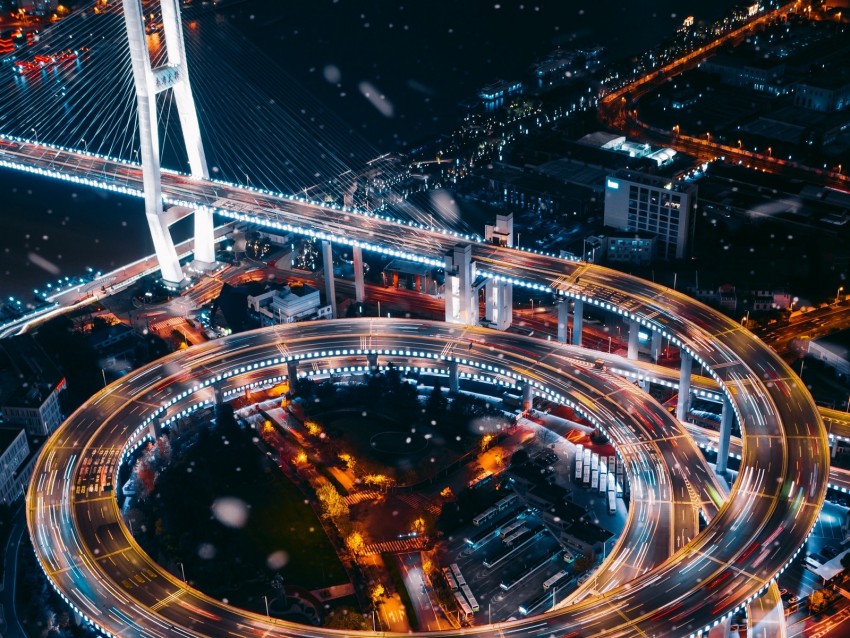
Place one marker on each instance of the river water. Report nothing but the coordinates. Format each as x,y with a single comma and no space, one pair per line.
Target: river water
422,58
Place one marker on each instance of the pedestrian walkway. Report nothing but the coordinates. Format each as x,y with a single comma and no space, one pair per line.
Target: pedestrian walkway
419,502
397,546
359,497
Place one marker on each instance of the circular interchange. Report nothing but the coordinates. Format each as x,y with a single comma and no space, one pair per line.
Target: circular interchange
707,579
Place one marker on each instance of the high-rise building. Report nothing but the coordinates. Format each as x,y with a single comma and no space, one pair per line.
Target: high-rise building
638,202
29,386
38,7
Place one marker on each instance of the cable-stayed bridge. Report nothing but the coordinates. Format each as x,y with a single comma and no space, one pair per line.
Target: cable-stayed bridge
786,455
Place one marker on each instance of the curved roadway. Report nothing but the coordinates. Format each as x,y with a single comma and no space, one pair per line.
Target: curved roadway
775,501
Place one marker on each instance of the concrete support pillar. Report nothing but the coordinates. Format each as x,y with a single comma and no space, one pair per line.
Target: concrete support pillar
152,429
833,447
655,346
684,400
643,384
454,381
359,286
563,318
149,81
578,320
291,372
498,304
634,330
527,397
461,297
725,434
218,393
328,267
372,361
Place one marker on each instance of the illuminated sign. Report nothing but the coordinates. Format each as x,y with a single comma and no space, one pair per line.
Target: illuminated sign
613,185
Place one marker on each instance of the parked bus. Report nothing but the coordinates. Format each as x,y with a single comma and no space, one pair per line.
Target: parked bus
612,502
465,610
579,462
481,480
461,581
467,593
555,579
506,502
450,579
485,516
510,528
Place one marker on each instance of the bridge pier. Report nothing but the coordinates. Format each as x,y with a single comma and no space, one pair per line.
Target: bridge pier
372,362
578,321
563,319
527,397
328,268
684,399
218,393
291,373
498,304
359,285
655,346
148,81
454,381
498,295
634,331
725,434
461,300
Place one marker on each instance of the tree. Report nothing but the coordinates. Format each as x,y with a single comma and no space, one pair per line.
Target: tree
437,402
346,618
333,505
355,543
518,458
817,602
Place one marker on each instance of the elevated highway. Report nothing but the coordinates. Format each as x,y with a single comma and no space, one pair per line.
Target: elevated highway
774,503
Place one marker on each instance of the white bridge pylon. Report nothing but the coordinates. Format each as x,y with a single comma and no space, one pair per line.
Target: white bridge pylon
150,81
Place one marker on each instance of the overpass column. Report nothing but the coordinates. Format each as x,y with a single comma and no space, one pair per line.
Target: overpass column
152,428
328,266
684,398
498,304
655,346
372,362
578,320
461,298
527,397
634,330
359,286
291,373
563,318
454,382
725,434
218,393
498,295
833,447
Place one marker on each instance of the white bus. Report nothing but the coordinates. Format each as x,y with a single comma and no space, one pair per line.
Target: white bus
484,516
555,579
461,581
465,609
467,593
505,502
510,527
450,579
612,502
579,461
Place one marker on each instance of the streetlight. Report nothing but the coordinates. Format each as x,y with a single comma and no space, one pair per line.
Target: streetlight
182,571
266,598
838,293
35,135
85,144
847,409
532,305
740,144
770,151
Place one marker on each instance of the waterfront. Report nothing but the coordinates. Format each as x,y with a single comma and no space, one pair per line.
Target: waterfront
424,57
